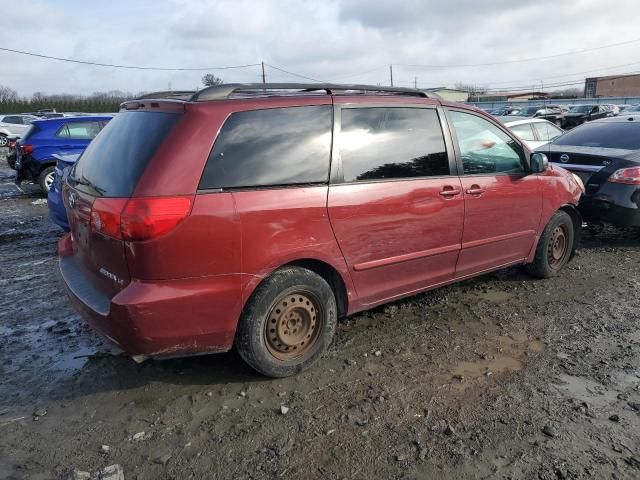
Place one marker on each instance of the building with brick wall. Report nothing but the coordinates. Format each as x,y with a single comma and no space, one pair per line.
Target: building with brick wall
612,86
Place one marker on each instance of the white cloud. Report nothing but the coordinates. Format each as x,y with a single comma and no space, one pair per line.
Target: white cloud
334,40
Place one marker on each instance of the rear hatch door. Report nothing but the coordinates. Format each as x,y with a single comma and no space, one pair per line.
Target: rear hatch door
99,186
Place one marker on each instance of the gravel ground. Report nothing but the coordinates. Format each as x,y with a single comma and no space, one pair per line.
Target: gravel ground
500,377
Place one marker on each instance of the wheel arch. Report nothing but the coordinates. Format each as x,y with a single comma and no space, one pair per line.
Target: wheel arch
576,218
322,268
331,276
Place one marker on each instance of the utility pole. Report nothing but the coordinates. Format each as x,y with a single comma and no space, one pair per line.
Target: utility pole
391,74
415,82
263,77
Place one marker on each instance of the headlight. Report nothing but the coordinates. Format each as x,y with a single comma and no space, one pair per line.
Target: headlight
579,182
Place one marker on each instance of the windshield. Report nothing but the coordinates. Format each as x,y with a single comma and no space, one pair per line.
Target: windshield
581,108
604,135
633,108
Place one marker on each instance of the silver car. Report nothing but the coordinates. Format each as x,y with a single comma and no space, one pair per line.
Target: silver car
535,132
14,125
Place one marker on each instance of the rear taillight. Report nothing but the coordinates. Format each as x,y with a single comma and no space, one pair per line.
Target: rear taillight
629,176
138,219
148,218
105,216
27,149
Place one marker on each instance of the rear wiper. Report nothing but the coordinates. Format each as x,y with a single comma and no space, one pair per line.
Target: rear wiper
86,182
80,181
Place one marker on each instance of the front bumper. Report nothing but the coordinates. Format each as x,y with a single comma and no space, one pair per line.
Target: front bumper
158,319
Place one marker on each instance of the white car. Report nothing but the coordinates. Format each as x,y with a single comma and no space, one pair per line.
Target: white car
14,125
533,131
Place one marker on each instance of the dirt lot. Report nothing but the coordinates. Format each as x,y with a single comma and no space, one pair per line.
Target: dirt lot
500,377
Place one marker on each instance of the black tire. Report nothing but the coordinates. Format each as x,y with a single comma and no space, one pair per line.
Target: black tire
43,179
550,258
260,328
3,140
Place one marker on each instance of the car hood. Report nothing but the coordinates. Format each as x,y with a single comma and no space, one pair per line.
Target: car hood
575,115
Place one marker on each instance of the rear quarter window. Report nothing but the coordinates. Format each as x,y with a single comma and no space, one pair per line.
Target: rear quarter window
80,130
114,161
273,147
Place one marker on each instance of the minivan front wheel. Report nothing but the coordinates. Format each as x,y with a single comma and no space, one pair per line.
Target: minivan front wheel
554,247
288,323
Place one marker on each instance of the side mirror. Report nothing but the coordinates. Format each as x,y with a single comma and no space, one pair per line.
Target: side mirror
538,162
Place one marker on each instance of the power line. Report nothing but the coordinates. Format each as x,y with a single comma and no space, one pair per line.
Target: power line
130,67
294,74
522,60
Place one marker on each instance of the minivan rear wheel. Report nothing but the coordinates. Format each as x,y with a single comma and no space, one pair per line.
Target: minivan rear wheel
288,322
554,247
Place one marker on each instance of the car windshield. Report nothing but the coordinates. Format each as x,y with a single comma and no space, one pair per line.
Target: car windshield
581,108
632,108
604,135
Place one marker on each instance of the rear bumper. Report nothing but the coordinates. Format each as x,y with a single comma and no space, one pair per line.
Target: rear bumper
617,204
163,318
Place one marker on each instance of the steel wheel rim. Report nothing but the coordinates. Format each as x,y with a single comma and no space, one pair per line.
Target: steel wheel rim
3,141
293,325
558,246
48,180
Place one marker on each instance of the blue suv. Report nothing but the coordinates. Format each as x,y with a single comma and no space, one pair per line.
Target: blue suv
45,138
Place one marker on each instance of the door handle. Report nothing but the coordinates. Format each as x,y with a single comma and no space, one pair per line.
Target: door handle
449,191
474,190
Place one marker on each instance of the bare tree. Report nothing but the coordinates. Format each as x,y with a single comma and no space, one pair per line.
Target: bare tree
8,94
210,80
567,93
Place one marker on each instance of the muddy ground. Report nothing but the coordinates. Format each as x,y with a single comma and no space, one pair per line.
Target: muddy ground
501,377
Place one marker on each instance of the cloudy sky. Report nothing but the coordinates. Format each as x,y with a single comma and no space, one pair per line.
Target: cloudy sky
349,41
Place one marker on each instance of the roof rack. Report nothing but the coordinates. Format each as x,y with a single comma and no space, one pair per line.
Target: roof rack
225,91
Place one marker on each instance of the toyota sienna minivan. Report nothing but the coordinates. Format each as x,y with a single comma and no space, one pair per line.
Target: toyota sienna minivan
258,215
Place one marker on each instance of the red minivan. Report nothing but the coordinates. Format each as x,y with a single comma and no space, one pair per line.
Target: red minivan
257,215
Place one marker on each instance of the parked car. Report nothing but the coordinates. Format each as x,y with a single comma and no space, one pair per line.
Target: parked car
552,114
579,114
614,109
13,125
502,111
632,109
535,132
34,156
266,238
11,145
57,212
606,155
